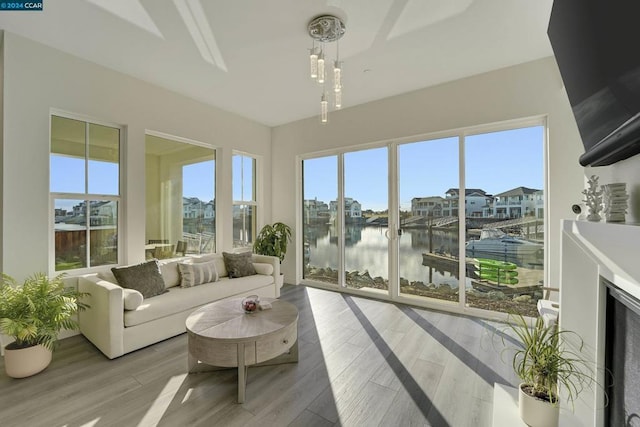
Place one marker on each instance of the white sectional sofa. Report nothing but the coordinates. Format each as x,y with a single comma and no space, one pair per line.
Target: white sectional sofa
115,330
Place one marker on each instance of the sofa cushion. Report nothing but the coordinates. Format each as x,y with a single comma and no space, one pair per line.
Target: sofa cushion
179,299
131,299
170,272
144,277
263,268
238,265
197,273
222,270
108,276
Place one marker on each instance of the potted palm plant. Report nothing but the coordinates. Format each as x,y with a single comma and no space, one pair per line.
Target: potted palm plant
544,362
273,240
33,313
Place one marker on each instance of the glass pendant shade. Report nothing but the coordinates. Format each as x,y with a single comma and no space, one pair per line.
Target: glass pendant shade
337,77
338,100
313,63
321,68
324,109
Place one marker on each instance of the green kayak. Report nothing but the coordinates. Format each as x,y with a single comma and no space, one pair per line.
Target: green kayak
492,264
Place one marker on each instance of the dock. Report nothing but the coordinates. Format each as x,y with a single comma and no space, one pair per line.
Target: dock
487,286
447,263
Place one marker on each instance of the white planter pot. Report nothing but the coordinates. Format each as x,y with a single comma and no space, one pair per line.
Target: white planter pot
537,412
24,362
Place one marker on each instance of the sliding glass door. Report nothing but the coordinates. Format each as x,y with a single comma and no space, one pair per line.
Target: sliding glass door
320,225
428,247
455,221
505,248
365,213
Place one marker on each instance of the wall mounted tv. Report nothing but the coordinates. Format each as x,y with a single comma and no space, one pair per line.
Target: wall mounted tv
597,47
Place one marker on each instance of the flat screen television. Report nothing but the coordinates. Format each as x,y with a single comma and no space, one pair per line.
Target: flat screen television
597,47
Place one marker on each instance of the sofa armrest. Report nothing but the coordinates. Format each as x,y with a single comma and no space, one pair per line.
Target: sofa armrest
275,263
103,322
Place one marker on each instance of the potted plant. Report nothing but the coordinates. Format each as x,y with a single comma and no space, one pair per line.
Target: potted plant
544,362
33,314
273,240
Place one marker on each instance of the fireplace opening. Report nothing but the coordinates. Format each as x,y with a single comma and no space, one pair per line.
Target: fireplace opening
622,358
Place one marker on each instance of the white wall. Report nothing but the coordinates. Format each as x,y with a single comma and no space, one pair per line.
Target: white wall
38,78
521,91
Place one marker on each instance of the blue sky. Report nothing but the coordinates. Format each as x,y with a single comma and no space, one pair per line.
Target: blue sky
199,180
67,176
495,162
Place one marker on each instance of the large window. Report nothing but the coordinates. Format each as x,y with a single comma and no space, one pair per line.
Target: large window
245,203
456,221
180,197
85,192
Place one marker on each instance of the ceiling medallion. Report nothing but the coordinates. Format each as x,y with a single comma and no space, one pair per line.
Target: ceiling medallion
326,28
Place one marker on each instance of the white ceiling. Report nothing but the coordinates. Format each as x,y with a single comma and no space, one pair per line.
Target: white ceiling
255,60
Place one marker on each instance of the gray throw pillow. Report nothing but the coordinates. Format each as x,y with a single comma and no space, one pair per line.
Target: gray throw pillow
238,265
144,278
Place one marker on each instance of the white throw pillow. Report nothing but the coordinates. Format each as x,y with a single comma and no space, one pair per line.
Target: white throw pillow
263,268
131,298
170,273
194,274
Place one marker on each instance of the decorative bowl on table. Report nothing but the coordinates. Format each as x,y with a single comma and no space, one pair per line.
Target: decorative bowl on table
250,304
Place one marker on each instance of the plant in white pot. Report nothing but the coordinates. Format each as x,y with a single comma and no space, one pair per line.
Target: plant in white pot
273,240
544,361
33,313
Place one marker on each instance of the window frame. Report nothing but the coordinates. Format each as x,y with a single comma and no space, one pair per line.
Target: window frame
86,196
256,202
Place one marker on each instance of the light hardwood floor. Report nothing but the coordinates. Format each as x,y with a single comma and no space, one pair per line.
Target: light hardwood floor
362,362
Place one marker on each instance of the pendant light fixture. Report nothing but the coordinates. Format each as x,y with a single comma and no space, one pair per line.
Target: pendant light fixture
326,29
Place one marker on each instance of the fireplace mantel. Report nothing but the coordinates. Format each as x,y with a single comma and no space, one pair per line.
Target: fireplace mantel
590,252
615,246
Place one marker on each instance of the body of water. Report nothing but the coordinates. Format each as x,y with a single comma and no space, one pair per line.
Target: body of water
367,248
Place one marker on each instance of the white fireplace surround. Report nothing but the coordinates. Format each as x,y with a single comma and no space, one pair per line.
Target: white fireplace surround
592,251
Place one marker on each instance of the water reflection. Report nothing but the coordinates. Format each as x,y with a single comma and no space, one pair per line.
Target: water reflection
366,248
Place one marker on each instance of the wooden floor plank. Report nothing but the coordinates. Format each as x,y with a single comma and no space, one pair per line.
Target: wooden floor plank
309,419
412,404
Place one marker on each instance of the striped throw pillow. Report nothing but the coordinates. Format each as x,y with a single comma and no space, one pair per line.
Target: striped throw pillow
197,273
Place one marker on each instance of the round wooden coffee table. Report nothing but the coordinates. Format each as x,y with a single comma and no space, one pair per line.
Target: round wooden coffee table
222,335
